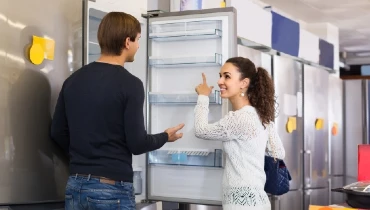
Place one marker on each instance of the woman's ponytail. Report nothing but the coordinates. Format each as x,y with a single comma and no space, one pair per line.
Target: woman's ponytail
261,95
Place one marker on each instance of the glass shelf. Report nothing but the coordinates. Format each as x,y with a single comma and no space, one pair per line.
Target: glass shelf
182,98
209,29
204,158
187,35
213,60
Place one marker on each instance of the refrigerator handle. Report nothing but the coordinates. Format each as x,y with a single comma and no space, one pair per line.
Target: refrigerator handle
329,190
308,152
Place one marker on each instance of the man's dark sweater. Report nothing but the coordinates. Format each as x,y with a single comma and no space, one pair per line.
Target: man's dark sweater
99,121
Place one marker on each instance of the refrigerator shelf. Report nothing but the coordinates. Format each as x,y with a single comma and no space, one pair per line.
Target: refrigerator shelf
186,35
182,98
206,29
212,60
202,158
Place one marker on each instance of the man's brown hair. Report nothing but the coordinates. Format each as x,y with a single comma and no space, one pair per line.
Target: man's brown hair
113,31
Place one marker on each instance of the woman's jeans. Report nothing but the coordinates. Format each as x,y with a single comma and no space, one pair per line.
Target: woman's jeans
88,193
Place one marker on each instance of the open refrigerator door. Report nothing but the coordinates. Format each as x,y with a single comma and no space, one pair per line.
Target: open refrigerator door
182,46
94,11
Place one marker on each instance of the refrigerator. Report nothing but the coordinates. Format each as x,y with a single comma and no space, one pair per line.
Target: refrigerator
315,147
288,79
356,123
181,46
33,169
336,138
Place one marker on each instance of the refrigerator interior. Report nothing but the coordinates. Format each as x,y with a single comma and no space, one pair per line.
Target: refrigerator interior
33,169
336,140
182,46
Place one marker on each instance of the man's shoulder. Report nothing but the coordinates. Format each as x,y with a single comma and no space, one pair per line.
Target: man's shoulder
132,78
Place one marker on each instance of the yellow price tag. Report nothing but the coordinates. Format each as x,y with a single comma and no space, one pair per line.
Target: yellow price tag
41,49
319,124
291,124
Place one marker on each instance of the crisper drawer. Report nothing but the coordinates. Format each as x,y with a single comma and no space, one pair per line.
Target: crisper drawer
188,183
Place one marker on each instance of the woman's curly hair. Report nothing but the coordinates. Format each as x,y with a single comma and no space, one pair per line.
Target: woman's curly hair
261,90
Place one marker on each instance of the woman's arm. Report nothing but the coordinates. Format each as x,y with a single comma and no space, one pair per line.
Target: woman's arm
275,147
230,127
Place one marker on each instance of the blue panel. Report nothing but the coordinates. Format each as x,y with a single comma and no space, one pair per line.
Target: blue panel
326,54
365,70
285,34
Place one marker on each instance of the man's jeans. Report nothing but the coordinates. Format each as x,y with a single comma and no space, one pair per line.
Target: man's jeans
87,193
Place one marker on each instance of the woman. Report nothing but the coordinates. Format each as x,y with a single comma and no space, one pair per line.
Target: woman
247,132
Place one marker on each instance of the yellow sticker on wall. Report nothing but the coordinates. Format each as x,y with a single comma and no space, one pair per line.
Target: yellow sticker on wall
41,49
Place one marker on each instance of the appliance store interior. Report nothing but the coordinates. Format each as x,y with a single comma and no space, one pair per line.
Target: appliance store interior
317,54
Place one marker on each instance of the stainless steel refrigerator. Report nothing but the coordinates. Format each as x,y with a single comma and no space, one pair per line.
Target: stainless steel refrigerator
356,122
336,138
288,78
316,158
32,168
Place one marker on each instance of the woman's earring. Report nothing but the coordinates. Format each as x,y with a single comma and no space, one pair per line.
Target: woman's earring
242,94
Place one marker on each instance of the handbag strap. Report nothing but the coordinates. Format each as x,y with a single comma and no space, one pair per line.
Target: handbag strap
269,142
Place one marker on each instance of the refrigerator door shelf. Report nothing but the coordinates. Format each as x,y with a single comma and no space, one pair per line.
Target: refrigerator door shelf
186,29
187,35
182,98
211,60
203,158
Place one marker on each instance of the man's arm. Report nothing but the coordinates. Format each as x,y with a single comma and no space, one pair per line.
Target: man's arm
138,140
59,126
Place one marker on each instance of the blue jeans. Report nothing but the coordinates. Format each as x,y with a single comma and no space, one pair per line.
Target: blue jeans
87,193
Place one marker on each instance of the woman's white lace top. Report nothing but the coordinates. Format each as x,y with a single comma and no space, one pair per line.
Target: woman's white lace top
245,145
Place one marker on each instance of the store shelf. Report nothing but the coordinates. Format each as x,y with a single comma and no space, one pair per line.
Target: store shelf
209,29
182,98
212,60
203,158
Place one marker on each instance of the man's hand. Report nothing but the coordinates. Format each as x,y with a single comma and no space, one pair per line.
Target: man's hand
172,132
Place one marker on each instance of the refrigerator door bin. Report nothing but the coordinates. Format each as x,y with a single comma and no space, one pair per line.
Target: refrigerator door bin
205,29
203,158
211,60
182,98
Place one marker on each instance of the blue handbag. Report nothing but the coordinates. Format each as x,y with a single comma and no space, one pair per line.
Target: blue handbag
277,176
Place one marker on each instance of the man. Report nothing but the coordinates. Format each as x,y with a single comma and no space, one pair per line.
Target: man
99,121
